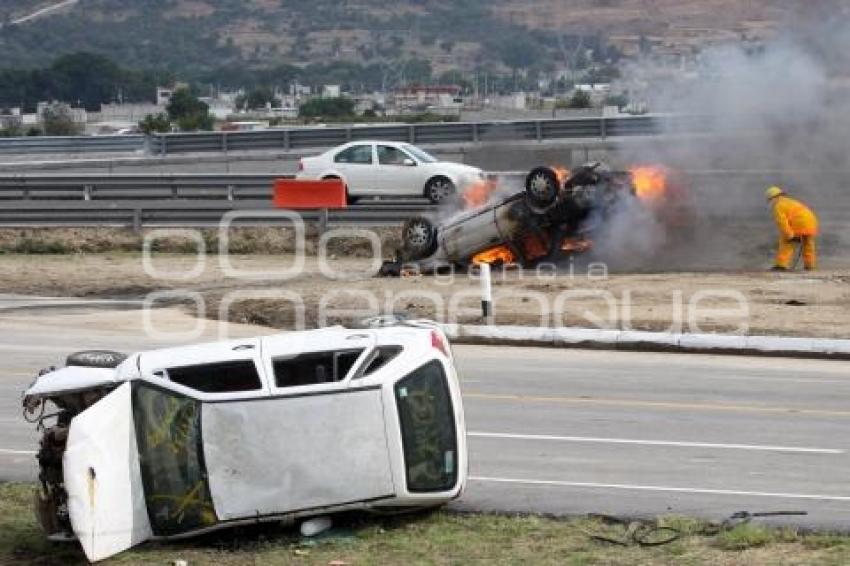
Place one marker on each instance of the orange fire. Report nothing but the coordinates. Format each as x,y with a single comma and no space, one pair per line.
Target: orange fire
576,245
498,255
650,182
561,172
478,193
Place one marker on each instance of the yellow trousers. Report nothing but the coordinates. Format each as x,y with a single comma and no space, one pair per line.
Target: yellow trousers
785,253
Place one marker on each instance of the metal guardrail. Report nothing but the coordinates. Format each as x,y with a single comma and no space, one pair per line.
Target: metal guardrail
427,133
204,213
317,137
137,187
71,144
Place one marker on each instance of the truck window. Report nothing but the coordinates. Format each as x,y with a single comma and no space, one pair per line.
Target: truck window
221,377
381,357
314,368
427,429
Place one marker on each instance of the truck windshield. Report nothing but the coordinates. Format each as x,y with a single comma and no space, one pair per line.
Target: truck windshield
427,429
421,155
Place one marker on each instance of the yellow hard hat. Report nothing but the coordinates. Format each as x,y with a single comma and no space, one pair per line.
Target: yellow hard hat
773,192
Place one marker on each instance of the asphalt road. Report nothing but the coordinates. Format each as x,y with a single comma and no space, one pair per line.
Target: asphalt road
569,431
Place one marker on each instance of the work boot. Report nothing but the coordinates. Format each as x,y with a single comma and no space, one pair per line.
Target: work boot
778,268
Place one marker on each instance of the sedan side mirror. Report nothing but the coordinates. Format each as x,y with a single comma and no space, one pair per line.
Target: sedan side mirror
409,162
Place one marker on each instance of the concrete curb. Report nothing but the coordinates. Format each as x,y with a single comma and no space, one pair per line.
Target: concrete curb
630,340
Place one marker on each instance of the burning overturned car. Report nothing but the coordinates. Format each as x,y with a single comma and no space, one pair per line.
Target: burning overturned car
181,441
556,215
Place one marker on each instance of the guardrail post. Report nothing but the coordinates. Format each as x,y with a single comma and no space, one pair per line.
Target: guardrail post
287,142
323,221
603,128
348,134
231,192
87,192
224,142
538,130
411,134
163,142
475,132
137,221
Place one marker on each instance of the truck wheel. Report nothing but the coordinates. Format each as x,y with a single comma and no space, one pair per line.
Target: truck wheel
541,188
419,238
439,190
95,359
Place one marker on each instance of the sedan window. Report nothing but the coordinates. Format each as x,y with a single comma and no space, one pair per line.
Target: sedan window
358,155
388,155
422,156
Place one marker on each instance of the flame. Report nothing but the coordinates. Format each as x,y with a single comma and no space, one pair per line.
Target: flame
478,193
499,254
650,182
576,245
561,172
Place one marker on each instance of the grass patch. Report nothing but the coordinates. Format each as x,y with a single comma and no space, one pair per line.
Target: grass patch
431,538
241,240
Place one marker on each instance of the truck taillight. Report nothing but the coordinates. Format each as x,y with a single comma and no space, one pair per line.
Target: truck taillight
300,165
438,342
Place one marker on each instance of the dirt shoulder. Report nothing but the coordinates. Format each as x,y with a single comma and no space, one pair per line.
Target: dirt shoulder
794,304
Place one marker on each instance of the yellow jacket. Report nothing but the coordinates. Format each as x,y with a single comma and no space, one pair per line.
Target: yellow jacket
793,218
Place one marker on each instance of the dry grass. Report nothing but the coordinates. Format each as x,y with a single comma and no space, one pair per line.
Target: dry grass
435,538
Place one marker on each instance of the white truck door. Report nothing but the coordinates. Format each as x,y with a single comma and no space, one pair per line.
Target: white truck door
318,441
106,499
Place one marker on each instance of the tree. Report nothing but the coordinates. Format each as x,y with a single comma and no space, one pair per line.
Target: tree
333,107
58,121
155,123
618,100
580,99
188,111
259,98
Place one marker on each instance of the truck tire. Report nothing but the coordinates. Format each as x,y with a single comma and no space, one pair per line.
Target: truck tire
95,359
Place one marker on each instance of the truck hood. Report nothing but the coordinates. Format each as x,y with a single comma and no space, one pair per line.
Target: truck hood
70,379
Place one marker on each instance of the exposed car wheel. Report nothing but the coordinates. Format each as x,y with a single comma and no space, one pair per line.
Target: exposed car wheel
419,238
439,189
541,188
95,359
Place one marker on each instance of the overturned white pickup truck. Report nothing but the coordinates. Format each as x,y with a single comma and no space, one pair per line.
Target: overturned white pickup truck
176,442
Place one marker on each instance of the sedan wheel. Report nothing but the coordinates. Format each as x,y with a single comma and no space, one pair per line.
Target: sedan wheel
419,237
439,189
541,188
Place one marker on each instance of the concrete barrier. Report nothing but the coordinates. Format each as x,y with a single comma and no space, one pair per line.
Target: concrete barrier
628,340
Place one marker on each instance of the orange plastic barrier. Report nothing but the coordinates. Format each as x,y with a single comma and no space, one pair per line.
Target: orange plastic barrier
298,194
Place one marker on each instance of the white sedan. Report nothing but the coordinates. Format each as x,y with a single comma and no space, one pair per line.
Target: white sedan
378,168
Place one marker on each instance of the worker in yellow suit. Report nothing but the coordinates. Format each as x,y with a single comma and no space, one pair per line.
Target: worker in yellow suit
797,224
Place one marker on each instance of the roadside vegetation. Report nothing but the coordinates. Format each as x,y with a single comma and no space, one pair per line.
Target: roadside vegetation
442,537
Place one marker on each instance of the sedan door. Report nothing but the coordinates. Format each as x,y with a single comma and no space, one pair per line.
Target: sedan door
356,164
398,173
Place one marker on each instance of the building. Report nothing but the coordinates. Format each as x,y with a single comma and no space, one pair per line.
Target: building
422,97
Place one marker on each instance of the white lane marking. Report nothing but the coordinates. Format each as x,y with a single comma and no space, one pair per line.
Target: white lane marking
655,443
17,452
694,490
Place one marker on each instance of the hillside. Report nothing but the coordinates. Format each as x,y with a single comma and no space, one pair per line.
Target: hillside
197,35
